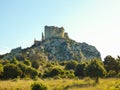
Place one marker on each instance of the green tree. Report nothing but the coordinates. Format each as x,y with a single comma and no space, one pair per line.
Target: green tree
1,69
71,65
111,64
11,71
95,69
56,71
118,61
31,72
80,70
28,71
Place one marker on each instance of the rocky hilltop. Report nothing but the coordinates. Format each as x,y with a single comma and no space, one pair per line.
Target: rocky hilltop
55,47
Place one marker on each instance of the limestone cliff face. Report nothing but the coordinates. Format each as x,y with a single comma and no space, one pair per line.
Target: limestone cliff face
57,49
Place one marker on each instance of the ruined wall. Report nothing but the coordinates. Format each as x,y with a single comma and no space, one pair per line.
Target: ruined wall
36,42
52,31
66,35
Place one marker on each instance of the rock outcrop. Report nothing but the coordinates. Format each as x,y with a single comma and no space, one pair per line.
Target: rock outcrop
55,45
57,49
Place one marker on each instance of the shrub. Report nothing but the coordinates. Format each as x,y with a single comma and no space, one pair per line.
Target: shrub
49,65
111,64
27,62
4,62
54,72
118,75
111,73
95,70
28,71
35,64
11,71
14,61
57,77
31,72
1,69
23,68
38,86
87,80
68,74
71,65
62,63
80,70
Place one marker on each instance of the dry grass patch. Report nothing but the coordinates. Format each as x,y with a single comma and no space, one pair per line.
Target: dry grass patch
60,84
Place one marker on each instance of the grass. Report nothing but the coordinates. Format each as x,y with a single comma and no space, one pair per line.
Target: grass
62,84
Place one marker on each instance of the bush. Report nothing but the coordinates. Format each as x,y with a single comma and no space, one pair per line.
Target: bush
28,71
4,62
118,75
1,69
80,70
95,70
54,72
35,64
62,63
11,71
68,74
48,65
14,61
31,72
111,73
71,65
112,64
38,86
27,62
23,68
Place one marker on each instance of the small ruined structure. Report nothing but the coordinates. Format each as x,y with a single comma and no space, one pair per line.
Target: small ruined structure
36,41
43,38
56,32
52,32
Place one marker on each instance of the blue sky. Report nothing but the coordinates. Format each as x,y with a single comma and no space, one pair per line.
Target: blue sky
96,22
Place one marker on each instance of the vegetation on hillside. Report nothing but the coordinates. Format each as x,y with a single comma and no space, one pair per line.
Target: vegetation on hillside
71,69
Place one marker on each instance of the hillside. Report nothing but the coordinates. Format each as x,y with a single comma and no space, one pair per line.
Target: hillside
55,49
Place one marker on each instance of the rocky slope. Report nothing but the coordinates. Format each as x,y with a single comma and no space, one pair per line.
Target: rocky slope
55,49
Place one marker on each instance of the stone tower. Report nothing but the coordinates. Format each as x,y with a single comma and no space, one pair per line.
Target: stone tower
52,31
43,38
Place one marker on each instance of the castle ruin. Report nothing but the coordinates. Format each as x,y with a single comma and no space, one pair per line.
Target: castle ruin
52,31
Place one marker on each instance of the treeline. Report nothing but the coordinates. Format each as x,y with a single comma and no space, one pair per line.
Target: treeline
95,68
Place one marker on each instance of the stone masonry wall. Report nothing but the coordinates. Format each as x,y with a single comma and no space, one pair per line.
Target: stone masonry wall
52,31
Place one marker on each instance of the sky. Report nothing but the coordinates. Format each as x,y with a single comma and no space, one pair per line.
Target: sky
96,22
